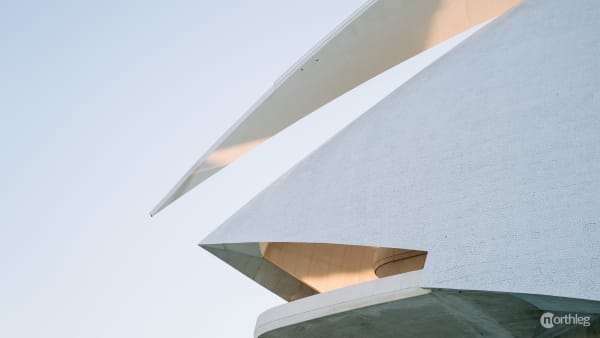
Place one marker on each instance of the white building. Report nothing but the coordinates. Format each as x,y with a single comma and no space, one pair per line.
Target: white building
466,203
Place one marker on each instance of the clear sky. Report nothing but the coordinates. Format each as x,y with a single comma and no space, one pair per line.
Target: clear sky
104,105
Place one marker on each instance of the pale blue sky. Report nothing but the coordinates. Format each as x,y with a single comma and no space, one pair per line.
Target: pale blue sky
104,106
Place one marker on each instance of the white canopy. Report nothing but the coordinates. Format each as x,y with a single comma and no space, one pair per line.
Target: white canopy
378,36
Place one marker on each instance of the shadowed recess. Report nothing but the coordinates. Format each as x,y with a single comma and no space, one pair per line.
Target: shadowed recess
297,270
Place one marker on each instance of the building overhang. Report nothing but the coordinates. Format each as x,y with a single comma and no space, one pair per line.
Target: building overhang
297,270
378,36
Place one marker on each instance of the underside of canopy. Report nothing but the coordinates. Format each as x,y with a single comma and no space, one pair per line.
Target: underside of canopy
378,36
298,270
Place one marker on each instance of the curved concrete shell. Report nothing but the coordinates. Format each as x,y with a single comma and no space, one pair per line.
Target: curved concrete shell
412,312
378,36
488,161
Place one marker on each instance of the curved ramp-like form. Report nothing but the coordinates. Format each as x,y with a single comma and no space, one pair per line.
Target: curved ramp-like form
395,308
378,36
488,160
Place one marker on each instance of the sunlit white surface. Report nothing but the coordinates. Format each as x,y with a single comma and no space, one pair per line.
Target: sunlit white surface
488,160
378,36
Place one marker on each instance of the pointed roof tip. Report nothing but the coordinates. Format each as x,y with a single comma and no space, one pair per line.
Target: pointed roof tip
155,211
344,59
158,207
164,202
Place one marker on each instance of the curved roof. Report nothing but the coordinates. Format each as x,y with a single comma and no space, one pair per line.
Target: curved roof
488,160
378,36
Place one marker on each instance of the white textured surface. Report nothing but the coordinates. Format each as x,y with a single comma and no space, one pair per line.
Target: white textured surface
489,160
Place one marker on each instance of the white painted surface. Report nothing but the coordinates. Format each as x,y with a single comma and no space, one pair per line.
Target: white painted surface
378,36
489,160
